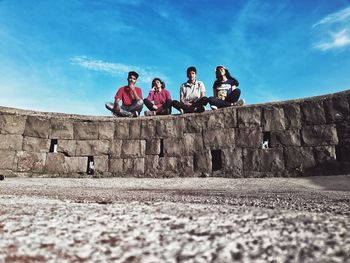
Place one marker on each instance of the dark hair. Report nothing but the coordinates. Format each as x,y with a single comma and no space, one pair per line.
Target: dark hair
218,80
133,73
161,82
192,68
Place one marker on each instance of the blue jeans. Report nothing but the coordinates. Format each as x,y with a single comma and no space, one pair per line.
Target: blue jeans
126,111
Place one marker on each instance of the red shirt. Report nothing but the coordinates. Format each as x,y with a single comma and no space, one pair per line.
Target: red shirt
159,97
127,96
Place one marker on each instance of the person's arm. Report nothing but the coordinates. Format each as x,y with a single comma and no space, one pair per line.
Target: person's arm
182,96
202,89
134,91
215,91
116,104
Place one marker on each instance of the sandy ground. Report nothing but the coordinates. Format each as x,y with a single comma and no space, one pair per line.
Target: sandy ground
175,220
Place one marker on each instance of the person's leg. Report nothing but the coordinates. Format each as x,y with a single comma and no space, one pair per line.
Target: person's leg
110,106
233,96
213,101
200,104
165,109
148,104
181,107
136,106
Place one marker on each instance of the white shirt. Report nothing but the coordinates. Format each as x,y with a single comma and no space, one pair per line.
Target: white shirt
191,91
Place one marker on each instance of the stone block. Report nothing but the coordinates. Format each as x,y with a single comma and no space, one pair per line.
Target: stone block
313,112
192,143
319,135
37,145
151,165
185,166
92,147
116,166
67,147
337,109
30,162
285,138
273,119
251,160
135,129
299,158
343,130
7,159
324,154
86,130
55,163
202,162
271,160
153,146
194,124
249,117
116,148
61,129
106,130
249,137
133,148
230,115
173,147
232,161
219,138
12,124
76,164
216,120
169,165
139,166
122,129
170,127
292,116
37,127
101,163
148,129
11,142
128,167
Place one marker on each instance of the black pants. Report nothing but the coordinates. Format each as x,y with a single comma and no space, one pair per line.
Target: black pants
196,106
231,98
165,109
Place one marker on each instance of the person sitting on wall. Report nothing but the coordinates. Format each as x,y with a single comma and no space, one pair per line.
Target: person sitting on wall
160,97
225,90
131,97
192,94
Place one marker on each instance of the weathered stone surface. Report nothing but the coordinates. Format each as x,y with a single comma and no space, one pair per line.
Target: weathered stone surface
313,112
319,135
186,166
116,166
135,129
151,165
7,159
12,124
61,129
37,127
299,158
292,116
37,145
273,119
285,138
122,129
251,160
337,109
139,166
92,147
249,117
133,148
55,163
101,164
153,146
202,162
324,154
170,127
343,151
215,121
169,165
11,142
106,130
116,148
271,160
194,124
173,147
249,137
230,117
148,129
192,142
67,147
343,130
76,164
30,162
86,130
219,138
232,161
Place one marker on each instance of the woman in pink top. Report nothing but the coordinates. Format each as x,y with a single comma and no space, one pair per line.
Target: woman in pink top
159,99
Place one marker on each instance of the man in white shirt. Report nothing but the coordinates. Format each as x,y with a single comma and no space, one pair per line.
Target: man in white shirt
192,94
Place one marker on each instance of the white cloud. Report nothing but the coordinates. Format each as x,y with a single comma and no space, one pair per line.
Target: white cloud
339,40
339,16
146,73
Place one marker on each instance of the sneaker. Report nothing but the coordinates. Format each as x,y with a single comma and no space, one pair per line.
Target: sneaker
181,111
150,113
135,114
240,102
213,107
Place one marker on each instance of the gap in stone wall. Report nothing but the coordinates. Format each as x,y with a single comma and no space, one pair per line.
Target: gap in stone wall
90,165
266,143
161,152
216,160
53,146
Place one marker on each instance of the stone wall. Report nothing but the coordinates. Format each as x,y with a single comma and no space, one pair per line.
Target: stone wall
302,137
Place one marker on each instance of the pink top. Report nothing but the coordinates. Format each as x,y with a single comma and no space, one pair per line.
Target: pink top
159,97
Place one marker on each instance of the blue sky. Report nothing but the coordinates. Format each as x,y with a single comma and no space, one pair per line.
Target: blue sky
72,55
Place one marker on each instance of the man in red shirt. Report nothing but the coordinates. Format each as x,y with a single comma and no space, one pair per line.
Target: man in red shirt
131,97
